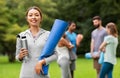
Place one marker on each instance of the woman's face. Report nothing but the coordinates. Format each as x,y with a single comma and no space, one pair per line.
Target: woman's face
33,17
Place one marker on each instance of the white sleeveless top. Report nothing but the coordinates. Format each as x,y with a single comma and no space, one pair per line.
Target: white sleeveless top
62,52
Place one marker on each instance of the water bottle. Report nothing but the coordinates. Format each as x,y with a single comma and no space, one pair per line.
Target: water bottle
24,45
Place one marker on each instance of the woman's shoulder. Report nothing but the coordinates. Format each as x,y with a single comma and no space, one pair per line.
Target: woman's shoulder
110,37
23,32
46,31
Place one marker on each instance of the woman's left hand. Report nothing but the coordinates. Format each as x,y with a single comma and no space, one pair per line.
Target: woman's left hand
38,67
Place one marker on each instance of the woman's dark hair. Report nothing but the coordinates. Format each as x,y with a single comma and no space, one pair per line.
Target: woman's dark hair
36,8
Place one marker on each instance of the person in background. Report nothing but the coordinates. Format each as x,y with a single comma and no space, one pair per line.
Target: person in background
97,37
63,48
74,40
110,44
36,39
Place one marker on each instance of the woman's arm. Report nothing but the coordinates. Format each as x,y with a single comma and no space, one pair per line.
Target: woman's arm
102,46
20,52
45,61
64,42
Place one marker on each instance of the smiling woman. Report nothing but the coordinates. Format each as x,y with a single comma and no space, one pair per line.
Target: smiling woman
36,38
34,16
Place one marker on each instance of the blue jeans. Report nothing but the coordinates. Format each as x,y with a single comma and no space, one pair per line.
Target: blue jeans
106,69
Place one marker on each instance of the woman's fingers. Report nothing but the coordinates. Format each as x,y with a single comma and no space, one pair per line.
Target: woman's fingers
38,68
23,53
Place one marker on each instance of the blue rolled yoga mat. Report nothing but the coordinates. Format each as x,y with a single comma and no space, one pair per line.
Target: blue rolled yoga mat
88,55
56,33
101,58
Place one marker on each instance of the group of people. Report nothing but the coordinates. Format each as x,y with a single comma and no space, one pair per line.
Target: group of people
104,40
69,42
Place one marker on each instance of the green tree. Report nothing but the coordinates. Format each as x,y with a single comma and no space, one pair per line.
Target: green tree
4,22
13,22
82,11
13,18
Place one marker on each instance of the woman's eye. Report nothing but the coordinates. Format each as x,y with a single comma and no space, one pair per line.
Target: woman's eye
37,15
29,15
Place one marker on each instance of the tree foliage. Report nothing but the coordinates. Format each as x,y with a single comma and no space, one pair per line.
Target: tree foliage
81,11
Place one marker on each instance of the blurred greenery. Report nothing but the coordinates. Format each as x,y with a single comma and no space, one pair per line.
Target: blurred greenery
81,11
84,69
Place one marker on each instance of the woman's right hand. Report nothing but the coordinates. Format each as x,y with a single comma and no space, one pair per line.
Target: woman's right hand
23,53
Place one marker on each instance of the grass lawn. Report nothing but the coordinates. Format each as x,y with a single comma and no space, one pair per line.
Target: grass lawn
84,69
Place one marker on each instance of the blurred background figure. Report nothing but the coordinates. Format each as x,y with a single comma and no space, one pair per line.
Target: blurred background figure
75,40
97,37
110,44
63,49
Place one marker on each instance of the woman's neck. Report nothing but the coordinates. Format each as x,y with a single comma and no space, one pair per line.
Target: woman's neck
34,30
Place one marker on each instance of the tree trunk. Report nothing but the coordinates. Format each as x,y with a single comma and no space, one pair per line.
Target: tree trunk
11,57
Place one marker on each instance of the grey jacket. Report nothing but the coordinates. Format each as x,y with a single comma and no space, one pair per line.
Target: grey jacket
35,45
